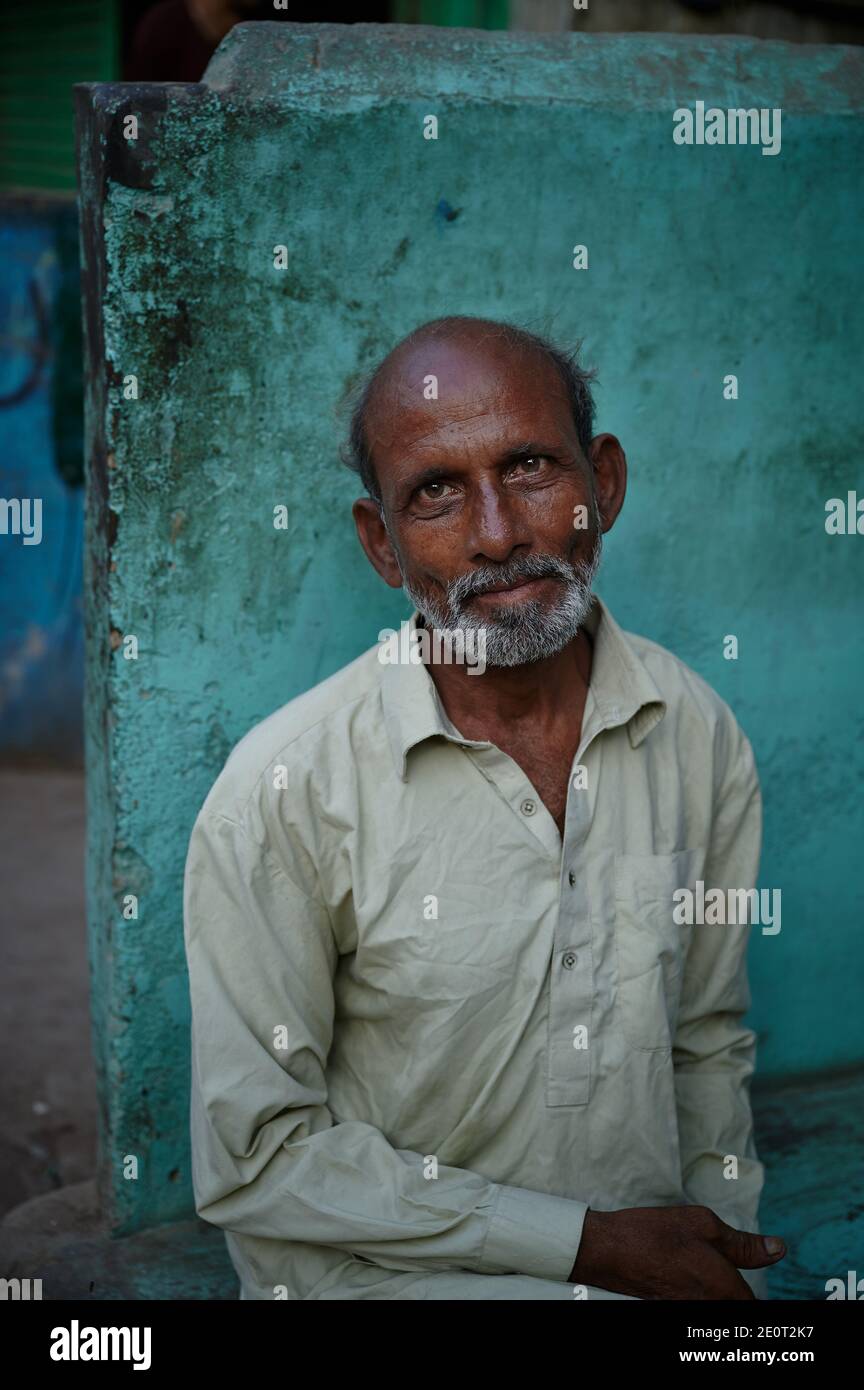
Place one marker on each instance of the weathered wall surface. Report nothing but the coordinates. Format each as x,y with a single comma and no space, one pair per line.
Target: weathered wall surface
703,261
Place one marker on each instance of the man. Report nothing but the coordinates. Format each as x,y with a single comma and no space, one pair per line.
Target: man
448,1040
174,40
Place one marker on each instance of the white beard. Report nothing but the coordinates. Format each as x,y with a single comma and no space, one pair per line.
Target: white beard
516,635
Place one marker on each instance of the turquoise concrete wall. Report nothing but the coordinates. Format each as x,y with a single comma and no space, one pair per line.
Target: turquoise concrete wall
703,261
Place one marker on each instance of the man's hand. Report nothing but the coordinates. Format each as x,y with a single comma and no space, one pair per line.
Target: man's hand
669,1252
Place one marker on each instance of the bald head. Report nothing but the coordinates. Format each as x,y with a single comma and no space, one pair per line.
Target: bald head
451,358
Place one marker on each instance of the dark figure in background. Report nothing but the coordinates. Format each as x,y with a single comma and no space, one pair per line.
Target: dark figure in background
175,39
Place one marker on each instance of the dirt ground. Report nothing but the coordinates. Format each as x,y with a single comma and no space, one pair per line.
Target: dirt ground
47,1083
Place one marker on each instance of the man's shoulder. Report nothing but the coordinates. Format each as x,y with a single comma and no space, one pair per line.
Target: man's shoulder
300,735
688,696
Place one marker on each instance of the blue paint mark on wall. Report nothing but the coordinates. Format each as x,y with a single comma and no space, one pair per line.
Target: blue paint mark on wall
41,624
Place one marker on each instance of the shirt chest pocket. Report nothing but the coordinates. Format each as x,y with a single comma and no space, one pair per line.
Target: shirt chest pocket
651,947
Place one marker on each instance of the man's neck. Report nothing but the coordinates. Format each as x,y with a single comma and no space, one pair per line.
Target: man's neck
543,692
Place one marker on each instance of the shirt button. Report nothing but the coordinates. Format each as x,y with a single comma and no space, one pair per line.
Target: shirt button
528,807
569,960
571,879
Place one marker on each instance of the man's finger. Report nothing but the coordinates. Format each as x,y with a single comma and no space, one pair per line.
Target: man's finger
748,1250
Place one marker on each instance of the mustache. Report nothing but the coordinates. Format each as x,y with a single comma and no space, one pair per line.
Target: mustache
479,581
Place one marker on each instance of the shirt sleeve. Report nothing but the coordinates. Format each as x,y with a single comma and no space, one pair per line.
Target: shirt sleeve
268,1157
714,1053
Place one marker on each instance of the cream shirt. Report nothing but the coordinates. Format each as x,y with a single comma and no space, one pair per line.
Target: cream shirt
427,1034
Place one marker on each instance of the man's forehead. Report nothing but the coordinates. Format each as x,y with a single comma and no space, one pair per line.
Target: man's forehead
447,383
457,358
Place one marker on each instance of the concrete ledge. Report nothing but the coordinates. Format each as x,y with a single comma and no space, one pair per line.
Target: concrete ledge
810,1136
62,1240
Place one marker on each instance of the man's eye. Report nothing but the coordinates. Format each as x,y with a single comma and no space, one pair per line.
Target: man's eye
532,464
434,497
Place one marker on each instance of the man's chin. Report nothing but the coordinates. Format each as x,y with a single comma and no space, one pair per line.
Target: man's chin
523,649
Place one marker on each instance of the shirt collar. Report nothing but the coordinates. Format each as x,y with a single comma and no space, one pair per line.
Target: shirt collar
621,691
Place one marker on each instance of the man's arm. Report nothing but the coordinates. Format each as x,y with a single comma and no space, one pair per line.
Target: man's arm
268,1157
713,1053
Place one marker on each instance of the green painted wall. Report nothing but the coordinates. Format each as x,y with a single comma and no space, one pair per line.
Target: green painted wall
703,261
484,14
45,47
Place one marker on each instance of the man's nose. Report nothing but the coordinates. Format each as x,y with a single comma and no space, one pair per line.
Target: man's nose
496,525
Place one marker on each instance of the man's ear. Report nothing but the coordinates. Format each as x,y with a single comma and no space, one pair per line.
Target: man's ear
369,520
609,465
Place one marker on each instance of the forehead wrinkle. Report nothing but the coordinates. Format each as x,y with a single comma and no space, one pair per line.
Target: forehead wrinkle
464,432
430,421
